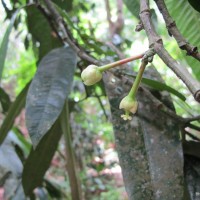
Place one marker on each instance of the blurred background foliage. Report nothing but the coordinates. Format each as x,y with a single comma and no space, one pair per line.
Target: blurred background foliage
93,139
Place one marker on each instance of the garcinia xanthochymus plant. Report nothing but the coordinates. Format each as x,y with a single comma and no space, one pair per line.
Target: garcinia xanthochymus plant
93,74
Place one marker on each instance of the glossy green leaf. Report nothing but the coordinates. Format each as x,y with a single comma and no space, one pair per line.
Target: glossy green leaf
42,34
48,91
188,22
160,86
13,112
39,159
4,43
5,100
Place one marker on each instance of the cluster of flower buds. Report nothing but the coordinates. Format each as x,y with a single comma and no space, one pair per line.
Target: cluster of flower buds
93,74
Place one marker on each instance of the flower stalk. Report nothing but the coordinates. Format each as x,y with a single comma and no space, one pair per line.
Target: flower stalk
138,79
129,102
120,62
93,74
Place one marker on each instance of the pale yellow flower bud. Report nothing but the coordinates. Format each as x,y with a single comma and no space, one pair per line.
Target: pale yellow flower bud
91,75
129,105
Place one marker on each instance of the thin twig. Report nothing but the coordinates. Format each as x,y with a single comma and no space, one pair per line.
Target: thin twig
65,36
173,30
156,43
102,106
117,26
191,119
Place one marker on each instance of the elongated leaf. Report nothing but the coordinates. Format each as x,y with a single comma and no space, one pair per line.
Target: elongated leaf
39,159
71,166
48,91
148,146
188,21
13,112
41,31
160,86
5,100
4,44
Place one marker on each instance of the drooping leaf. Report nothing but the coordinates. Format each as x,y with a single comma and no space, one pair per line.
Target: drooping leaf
42,33
4,43
133,6
71,166
148,146
22,142
13,112
188,22
48,91
160,87
5,100
39,159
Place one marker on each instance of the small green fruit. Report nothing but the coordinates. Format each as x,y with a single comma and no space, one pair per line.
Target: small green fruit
91,75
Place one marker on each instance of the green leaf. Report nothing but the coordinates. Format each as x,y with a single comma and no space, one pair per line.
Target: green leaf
13,112
5,100
160,87
39,159
48,91
64,4
22,142
71,166
133,6
4,43
188,22
41,31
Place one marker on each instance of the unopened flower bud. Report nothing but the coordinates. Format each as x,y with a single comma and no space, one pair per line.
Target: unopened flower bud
129,105
91,75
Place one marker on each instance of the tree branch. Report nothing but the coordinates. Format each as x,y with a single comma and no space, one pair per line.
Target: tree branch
117,26
173,30
109,16
65,34
120,18
155,42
